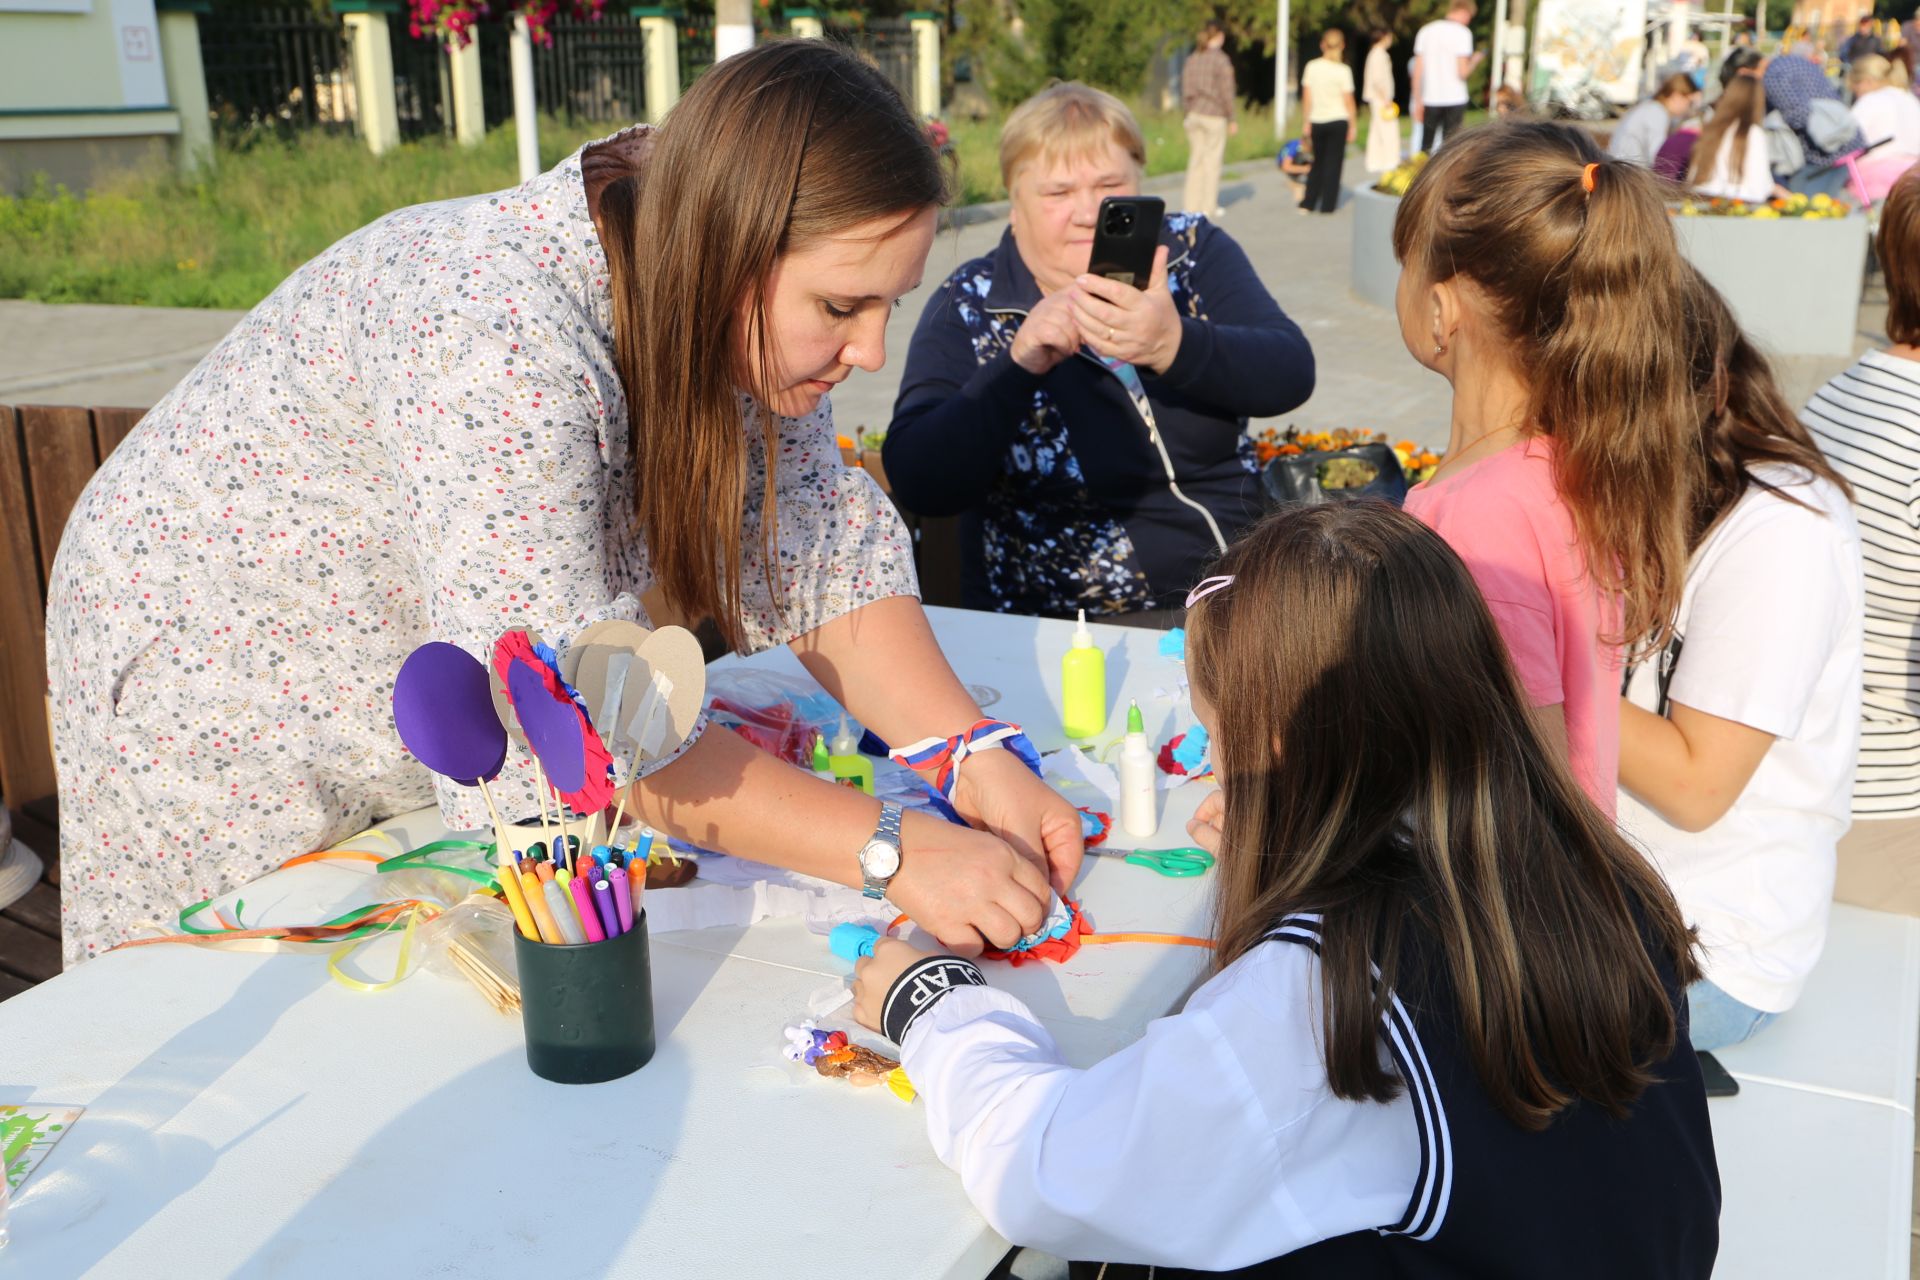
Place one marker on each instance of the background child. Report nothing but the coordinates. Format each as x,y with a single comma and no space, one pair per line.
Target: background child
1543,282
1738,739
1509,1092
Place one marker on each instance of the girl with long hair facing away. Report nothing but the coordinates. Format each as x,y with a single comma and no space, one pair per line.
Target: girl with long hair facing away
1738,737
1444,1034
1542,281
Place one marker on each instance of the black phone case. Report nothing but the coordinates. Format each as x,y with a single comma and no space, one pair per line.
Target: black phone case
1720,1084
1127,255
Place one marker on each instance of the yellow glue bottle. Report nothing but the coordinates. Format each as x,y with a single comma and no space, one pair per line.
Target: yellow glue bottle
1083,686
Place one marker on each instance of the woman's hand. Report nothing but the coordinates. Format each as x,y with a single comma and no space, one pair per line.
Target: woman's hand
1048,335
1120,322
1204,826
970,889
874,976
999,793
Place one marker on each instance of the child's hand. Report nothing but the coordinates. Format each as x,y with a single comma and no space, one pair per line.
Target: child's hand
873,977
1205,825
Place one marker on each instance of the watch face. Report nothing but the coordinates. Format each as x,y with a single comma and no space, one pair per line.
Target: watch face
879,859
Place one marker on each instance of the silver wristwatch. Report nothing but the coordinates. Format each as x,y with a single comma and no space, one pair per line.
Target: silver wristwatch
880,856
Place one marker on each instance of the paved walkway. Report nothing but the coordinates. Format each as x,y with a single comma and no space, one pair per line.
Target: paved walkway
130,356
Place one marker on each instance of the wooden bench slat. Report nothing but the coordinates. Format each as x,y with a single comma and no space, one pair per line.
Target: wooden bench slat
60,460
26,765
110,427
12,986
27,954
39,910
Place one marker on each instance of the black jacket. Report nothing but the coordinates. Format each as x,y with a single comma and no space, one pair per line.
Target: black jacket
1092,487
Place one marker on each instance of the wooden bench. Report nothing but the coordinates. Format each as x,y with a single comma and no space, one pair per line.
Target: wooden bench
47,455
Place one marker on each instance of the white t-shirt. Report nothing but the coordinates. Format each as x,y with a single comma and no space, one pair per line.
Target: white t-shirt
1756,177
1327,82
1440,45
1893,114
1769,636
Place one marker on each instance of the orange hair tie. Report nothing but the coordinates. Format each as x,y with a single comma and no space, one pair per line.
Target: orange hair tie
1586,177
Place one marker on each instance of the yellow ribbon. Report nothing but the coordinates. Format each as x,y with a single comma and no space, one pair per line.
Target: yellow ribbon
413,916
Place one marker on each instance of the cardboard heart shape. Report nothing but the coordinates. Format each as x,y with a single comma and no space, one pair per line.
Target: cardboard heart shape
591,663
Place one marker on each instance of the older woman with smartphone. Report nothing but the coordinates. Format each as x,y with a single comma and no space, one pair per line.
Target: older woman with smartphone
1091,430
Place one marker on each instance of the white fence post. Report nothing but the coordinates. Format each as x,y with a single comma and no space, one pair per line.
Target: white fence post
186,81
926,63
464,88
376,113
661,30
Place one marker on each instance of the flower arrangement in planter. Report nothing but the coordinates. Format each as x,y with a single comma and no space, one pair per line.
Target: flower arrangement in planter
1416,463
1394,182
1806,208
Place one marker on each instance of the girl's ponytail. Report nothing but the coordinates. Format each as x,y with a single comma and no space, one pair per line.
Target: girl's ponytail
1577,255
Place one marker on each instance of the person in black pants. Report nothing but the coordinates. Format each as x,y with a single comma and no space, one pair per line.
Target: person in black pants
1442,123
1327,105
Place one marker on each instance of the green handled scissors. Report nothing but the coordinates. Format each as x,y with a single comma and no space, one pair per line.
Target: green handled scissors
1182,862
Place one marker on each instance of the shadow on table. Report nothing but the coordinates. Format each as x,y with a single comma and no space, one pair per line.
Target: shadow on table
500,1173
119,1168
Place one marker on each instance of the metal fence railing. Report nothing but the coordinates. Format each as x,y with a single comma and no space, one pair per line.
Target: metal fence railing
887,43
279,68
696,46
422,88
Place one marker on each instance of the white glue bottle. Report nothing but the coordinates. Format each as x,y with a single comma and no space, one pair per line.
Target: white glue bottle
1137,779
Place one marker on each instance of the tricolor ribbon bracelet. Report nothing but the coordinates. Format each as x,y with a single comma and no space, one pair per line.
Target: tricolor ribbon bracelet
945,756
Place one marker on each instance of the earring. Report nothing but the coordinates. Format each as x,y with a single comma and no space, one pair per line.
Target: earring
1439,349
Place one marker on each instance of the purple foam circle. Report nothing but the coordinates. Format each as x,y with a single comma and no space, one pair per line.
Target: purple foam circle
551,725
443,708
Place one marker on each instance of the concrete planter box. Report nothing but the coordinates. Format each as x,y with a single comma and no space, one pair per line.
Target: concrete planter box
1793,285
1375,274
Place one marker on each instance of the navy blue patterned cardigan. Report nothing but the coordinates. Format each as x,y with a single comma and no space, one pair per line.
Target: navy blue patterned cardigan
1095,487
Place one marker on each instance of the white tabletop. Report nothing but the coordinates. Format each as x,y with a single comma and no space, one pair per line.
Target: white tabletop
246,1116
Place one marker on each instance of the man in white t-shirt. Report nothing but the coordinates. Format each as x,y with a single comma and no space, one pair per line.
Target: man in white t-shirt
1443,58
1761,682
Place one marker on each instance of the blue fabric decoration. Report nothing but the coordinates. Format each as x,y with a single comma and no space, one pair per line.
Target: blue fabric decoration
1192,751
1174,644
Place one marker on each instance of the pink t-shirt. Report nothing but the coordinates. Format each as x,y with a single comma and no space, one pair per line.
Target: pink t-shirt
1505,519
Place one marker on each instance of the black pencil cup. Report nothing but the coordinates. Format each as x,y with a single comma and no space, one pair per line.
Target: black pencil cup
587,1009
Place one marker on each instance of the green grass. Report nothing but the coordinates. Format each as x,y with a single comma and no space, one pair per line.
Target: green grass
269,204
226,240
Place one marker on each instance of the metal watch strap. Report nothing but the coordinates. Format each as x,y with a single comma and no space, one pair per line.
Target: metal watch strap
889,832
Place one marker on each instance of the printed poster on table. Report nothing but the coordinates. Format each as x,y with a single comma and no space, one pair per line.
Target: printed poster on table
27,1134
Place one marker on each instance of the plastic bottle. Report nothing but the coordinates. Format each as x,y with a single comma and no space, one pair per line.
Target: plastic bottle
1137,781
850,768
1083,686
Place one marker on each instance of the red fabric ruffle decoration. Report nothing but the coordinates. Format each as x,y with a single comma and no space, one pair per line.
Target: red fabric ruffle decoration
1055,949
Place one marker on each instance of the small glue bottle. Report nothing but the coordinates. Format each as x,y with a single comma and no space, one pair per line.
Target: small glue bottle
850,768
1083,686
1137,769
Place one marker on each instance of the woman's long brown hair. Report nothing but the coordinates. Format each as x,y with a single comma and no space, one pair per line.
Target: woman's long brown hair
1589,287
1745,421
1381,767
771,149
1740,108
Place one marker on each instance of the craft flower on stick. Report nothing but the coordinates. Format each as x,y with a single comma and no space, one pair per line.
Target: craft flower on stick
444,712
558,730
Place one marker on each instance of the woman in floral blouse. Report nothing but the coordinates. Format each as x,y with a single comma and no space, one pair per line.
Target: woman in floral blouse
1092,434
526,409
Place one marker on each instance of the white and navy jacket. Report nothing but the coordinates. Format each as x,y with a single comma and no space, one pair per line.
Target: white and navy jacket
1214,1143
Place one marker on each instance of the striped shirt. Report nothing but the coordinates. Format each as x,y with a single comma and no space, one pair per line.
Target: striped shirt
1867,421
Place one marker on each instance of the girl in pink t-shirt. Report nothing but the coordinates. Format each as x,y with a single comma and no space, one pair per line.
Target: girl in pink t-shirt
1543,282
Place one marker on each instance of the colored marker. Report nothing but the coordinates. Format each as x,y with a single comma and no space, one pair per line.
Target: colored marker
603,903
637,884
622,896
562,912
537,903
589,917
516,899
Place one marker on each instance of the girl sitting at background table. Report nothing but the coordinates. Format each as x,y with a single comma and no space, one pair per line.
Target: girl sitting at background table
1543,282
1446,993
1738,738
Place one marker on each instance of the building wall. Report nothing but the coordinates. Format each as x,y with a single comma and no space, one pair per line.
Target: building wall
82,89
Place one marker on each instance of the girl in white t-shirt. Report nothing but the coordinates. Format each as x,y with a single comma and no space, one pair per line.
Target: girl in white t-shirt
1730,159
1738,738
